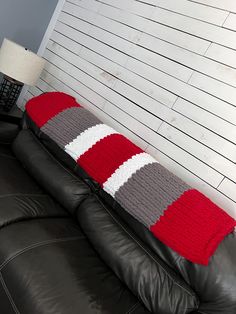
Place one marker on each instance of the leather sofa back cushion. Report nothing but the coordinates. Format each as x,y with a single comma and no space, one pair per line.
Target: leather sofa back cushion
57,180
220,273
159,288
22,201
58,152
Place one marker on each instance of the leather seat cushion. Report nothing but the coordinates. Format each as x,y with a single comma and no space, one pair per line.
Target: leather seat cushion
20,196
50,267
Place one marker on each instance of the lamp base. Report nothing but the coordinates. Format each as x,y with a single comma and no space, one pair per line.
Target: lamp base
9,92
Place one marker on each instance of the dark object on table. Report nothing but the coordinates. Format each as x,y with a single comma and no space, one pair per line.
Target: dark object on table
9,92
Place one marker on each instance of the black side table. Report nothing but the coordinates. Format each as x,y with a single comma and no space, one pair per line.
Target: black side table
14,116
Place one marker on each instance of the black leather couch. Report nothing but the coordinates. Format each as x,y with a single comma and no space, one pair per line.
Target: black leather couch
67,248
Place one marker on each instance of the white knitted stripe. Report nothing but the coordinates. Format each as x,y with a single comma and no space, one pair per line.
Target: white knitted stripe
87,139
125,171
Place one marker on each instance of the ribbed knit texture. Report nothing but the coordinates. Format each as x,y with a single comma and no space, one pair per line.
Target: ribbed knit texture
66,125
43,112
181,217
126,171
193,226
149,191
83,142
101,160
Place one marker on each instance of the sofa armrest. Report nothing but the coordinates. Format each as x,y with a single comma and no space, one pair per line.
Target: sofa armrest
9,124
8,132
14,116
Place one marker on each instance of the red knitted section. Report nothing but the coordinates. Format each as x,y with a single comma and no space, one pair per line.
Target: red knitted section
198,226
103,158
45,106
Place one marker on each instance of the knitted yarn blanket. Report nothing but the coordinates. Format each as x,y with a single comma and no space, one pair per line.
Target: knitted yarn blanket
181,217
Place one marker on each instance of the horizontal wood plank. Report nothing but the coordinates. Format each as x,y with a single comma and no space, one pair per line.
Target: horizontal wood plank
222,54
194,10
210,121
226,5
230,22
214,87
183,23
227,187
142,24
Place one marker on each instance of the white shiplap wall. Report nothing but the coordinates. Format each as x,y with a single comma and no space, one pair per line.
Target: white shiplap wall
161,71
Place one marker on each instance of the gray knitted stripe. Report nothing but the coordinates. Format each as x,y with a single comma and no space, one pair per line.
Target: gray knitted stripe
149,191
68,124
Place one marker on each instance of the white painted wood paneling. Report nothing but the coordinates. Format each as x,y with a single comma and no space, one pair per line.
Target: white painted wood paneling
230,22
163,32
228,187
130,49
206,155
191,9
183,23
162,72
226,5
212,122
198,28
214,87
190,60
222,54
109,59
139,23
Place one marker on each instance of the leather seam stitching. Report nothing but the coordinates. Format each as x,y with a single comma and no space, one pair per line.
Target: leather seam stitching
152,257
8,294
43,243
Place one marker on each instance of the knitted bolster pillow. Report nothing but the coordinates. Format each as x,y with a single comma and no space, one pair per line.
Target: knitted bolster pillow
178,215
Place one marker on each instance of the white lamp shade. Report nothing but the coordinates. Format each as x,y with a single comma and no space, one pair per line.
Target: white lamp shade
20,63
